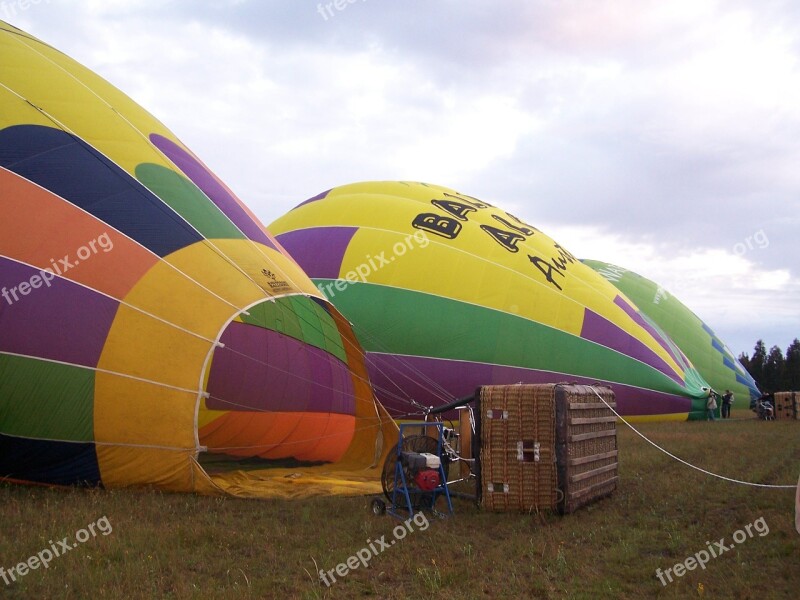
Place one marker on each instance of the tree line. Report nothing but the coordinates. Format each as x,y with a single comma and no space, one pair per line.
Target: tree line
774,371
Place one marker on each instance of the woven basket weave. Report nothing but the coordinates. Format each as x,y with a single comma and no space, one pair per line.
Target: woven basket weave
546,446
518,470
786,405
587,444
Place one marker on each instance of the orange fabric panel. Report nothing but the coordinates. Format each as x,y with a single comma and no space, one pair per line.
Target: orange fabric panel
298,434
62,227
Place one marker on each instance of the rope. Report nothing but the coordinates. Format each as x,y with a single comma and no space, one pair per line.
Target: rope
680,460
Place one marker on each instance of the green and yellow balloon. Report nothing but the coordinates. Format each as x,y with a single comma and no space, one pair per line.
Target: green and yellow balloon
712,358
447,292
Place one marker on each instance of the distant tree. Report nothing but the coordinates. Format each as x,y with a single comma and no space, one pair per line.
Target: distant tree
791,378
756,363
774,368
744,360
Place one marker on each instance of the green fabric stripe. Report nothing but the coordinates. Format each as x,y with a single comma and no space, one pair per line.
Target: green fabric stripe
40,399
302,318
683,327
188,201
402,321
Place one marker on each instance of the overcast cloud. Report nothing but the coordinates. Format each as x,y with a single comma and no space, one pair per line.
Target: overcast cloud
661,136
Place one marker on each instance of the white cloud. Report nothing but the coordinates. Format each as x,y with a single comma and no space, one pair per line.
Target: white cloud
656,135
731,292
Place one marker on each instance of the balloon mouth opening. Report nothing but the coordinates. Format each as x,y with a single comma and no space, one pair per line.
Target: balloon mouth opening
275,391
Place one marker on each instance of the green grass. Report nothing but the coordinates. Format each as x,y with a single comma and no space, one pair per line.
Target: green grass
185,546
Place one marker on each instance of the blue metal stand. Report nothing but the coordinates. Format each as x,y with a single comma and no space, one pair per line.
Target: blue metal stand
401,491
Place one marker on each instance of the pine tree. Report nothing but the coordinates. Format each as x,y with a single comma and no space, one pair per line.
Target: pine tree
791,379
774,368
756,363
744,360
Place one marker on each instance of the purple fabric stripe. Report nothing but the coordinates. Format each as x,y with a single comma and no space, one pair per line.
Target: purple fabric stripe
634,314
212,188
460,379
320,196
60,321
319,250
602,331
263,370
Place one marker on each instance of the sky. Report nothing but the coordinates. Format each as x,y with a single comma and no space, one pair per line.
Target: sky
663,137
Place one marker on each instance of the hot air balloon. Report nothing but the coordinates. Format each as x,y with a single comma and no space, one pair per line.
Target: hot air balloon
712,358
147,320
447,292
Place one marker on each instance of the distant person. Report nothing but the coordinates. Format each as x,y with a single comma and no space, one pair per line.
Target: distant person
766,409
711,405
727,400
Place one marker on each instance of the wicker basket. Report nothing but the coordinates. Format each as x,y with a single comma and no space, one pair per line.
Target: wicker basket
545,446
518,448
587,444
786,405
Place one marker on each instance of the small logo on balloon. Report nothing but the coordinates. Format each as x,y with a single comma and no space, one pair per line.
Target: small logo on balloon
275,284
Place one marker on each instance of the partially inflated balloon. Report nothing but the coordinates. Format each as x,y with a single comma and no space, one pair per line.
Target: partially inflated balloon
146,315
712,358
447,293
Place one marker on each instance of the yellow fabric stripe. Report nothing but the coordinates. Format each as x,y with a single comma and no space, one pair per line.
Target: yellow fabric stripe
478,269
136,412
33,70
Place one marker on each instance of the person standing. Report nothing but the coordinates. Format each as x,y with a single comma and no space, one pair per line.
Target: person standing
727,400
711,405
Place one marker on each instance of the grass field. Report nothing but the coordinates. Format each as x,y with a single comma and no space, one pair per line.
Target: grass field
184,546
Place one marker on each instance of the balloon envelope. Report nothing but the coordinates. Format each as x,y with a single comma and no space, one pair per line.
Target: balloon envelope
447,293
146,315
712,358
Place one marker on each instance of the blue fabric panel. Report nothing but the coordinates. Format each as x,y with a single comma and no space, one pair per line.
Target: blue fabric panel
70,168
42,461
